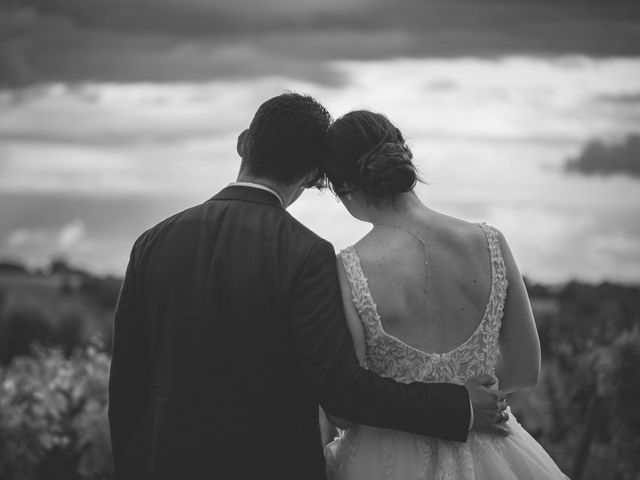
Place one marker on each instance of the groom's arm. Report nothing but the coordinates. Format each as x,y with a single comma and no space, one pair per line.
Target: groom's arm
129,374
327,359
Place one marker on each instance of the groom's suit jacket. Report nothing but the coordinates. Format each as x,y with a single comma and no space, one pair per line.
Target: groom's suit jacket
229,332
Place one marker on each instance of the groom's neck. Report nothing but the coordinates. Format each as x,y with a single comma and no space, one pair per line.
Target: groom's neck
286,192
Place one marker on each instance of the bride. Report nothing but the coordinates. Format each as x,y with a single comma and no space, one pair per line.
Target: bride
428,298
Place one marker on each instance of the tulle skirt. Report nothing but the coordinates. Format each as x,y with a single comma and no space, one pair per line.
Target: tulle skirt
369,453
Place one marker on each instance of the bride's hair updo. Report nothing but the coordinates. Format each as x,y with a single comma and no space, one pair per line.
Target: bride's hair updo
365,151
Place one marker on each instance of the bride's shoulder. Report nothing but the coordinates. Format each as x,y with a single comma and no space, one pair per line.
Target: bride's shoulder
375,249
363,247
458,233
472,238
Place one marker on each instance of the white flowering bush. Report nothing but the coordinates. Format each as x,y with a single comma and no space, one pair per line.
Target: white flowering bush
53,416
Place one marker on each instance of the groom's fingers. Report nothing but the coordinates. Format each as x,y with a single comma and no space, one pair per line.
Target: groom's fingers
502,417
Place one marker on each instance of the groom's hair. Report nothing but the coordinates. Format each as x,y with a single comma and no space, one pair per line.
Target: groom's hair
286,137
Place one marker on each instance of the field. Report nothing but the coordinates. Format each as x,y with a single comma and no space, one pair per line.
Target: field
55,332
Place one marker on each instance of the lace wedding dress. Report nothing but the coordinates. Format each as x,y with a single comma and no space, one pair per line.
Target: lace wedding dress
368,453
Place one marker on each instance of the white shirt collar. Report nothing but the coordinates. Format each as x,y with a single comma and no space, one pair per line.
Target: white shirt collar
259,186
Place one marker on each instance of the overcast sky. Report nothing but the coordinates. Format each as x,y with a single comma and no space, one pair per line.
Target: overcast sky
526,115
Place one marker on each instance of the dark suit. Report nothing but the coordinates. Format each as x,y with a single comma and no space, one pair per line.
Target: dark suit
229,332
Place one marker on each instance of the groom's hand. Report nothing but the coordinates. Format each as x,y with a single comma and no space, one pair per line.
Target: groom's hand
488,406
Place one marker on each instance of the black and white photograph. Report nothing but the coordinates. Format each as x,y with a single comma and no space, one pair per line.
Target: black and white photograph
319,240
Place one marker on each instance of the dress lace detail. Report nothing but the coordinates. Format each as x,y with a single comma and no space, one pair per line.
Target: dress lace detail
391,357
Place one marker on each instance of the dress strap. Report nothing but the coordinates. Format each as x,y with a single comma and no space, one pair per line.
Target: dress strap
360,293
499,282
498,269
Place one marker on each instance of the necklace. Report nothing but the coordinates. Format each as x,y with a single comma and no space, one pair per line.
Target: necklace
414,235
423,242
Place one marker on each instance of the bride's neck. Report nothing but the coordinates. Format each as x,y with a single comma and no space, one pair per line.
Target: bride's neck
405,207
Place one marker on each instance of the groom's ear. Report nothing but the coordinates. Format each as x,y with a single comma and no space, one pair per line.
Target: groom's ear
241,145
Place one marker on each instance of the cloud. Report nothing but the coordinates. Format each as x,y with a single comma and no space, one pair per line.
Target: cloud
196,40
599,158
116,115
140,41
113,139
490,135
61,239
508,99
92,231
631,98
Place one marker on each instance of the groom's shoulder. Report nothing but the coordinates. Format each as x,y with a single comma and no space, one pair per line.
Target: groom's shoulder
300,231
298,234
150,234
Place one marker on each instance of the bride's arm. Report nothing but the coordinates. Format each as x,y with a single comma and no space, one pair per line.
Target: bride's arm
355,328
353,319
519,363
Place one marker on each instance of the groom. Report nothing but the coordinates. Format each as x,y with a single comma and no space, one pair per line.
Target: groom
229,332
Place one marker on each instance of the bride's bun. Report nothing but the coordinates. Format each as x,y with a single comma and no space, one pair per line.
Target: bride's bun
386,171
365,152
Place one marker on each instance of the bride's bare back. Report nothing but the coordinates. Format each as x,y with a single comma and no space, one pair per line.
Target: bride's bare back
439,315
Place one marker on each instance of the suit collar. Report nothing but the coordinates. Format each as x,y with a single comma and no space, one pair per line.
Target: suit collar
248,194
258,186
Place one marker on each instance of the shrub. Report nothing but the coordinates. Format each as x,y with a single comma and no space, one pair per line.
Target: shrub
53,416
20,327
618,388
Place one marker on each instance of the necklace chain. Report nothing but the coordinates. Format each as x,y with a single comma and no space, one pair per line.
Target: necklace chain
414,235
424,254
